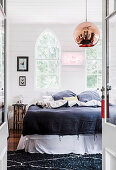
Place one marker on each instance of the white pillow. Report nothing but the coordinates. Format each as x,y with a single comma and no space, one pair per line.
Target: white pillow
57,103
89,103
52,104
47,98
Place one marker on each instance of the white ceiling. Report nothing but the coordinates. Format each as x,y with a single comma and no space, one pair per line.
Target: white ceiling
53,11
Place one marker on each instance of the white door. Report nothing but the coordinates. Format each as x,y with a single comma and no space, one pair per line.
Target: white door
3,124
3,147
109,85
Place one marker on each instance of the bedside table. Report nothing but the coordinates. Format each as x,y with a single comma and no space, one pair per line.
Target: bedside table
19,113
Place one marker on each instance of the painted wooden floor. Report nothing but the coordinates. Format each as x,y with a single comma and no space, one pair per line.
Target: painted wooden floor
13,140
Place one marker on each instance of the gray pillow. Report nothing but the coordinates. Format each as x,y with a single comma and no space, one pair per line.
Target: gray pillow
89,95
60,95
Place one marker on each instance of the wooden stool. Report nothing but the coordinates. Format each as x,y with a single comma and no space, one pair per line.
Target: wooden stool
19,113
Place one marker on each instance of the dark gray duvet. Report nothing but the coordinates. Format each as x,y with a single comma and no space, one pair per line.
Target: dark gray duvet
62,121
65,120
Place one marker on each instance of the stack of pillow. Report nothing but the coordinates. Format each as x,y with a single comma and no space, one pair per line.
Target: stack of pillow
86,98
69,98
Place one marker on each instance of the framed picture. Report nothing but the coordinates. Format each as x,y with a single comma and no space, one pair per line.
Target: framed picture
22,80
22,63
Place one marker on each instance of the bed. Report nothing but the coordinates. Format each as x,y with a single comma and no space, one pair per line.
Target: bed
62,130
62,121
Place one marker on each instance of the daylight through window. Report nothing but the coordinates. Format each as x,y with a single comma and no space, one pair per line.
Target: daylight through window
94,66
47,53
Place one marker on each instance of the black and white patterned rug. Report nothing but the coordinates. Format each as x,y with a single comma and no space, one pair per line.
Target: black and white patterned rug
20,160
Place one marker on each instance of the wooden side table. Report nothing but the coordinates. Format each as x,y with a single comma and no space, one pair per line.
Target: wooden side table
19,113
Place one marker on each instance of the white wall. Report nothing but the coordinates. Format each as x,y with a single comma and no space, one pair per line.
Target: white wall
22,39
22,43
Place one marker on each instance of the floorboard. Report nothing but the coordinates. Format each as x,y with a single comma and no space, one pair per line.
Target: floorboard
13,140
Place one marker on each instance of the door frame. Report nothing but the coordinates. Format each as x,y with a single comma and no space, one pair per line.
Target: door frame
3,127
108,129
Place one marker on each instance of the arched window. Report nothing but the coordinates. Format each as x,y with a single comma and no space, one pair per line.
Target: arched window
94,66
47,56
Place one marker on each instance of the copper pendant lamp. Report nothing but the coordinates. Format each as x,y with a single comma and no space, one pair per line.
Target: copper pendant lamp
86,34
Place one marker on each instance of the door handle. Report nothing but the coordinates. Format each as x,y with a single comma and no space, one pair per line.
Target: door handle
103,103
109,87
102,89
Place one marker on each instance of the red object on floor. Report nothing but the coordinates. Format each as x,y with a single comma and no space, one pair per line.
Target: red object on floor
103,109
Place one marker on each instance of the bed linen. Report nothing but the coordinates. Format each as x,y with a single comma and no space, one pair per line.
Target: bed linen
62,121
54,144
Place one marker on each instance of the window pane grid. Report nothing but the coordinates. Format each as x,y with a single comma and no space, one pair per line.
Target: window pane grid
94,66
42,74
47,53
47,61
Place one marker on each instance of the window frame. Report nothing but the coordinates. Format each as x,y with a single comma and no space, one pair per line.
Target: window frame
97,59
47,59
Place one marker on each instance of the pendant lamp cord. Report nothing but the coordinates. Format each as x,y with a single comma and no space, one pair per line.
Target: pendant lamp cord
86,10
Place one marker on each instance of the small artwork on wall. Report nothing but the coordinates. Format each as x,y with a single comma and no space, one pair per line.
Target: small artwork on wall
22,80
22,63
73,58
